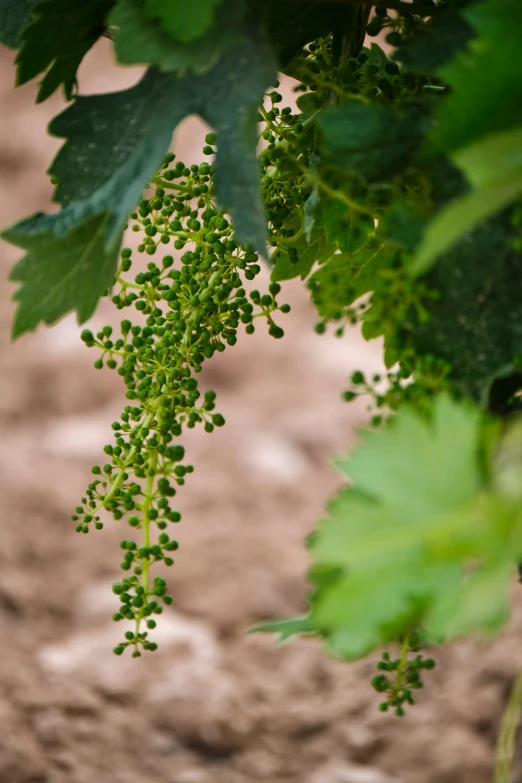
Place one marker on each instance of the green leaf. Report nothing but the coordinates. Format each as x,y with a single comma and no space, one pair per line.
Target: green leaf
309,251
345,278
435,43
475,322
116,142
59,274
485,80
292,25
494,167
183,21
140,39
405,535
349,229
15,15
57,40
375,142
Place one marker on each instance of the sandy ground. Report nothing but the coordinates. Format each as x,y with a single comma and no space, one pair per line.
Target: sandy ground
212,705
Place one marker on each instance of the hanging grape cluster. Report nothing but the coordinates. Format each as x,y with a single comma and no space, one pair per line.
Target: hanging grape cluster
191,310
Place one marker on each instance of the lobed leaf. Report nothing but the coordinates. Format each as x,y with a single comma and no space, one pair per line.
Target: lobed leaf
59,274
486,80
15,15
56,41
407,532
116,141
493,166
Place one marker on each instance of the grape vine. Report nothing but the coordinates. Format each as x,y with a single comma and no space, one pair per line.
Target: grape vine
393,190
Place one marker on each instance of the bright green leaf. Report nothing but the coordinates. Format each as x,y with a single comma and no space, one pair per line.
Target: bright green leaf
57,40
485,80
345,278
116,141
475,323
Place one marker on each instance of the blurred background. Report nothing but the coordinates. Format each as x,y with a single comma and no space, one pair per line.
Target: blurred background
212,705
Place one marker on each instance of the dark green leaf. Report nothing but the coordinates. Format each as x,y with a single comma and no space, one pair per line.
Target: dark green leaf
59,274
57,40
15,15
476,321
183,21
432,46
139,39
116,141
375,142
493,166
403,537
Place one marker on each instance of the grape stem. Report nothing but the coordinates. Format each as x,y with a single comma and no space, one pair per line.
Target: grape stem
506,738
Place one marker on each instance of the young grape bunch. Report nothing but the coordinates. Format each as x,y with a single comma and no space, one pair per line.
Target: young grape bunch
191,310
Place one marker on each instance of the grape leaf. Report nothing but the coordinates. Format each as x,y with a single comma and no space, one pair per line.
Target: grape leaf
376,142
395,551
343,279
291,25
60,274
485,80
436,43
479,280
183,21
139,39
309,251
406,533
56,41
15,15
349,229
493,166
116,141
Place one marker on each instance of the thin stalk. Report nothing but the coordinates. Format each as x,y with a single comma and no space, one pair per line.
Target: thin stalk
506,738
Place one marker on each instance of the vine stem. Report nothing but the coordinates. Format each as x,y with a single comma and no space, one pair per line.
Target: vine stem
506,738
147,500
126,462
